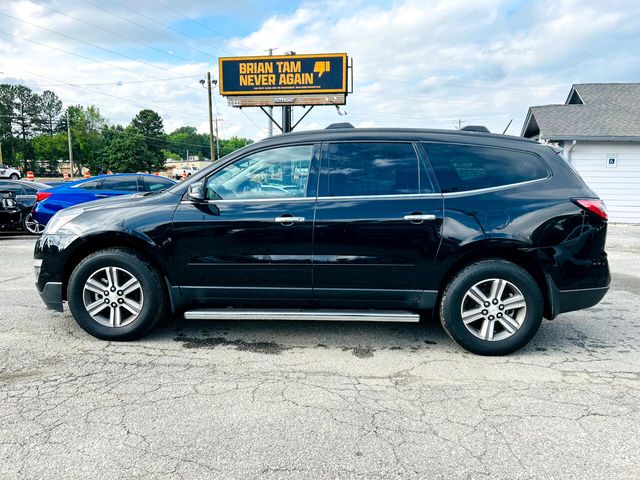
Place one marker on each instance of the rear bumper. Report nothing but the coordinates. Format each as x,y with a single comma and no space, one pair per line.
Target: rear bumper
562,301
51,295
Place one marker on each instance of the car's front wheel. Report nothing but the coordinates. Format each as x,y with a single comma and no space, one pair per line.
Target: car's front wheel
492,307
14,176
116,294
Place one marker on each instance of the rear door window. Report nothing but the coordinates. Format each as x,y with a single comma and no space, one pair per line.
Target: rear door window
122,184
156,184
472,167
371,169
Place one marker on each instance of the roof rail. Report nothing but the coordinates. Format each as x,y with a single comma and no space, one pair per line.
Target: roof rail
340,125
475,128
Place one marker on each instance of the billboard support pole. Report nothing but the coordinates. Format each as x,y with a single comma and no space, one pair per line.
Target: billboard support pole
286,119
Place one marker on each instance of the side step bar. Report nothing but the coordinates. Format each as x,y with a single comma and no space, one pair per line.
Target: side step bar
315,315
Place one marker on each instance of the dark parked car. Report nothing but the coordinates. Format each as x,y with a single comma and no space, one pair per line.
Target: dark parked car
9,210
488,232
88,189
25,193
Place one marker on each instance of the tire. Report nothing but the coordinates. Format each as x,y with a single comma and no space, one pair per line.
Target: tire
148,297
496,329
14,176
30,225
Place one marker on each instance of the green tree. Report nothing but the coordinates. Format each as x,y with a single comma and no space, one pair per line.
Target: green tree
49,108
48,151
149,125
87,125
187,139
128,152
232,144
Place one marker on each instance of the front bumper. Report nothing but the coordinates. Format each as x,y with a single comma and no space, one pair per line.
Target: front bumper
51,295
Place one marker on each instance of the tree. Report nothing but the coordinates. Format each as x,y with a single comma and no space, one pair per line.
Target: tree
187,138
49,110
86,133
48,151
128,152
232,144
149,125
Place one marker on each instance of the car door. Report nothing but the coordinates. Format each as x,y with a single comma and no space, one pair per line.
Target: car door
117,185
378,226
251,239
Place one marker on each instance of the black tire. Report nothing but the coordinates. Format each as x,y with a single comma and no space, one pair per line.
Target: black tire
14,176
154,297
454,294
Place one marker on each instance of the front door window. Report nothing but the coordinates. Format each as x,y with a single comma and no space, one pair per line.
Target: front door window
276,173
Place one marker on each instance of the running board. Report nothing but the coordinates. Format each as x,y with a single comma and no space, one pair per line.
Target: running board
315,315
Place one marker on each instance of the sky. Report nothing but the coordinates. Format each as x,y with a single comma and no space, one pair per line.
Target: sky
417,63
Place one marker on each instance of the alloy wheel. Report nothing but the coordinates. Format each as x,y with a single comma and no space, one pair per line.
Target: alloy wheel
493,309
113,297
32,226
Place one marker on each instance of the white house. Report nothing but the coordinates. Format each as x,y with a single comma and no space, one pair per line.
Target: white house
599,129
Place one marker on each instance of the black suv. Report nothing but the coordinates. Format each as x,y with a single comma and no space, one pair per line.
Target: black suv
488,232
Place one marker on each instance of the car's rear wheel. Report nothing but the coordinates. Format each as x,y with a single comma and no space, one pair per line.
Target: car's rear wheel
30,224
14,176
116,294
492,307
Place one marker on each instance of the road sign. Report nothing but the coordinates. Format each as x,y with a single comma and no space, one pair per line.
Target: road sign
284,75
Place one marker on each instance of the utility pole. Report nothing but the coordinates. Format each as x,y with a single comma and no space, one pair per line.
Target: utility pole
70,145
1,162
218,137
210,118
459,122
270,126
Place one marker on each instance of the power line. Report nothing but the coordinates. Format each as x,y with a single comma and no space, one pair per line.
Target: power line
94,60
126,100
205,26
88,43
167,27
112,32
251,120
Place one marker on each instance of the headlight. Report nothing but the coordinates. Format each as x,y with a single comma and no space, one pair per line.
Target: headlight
60,219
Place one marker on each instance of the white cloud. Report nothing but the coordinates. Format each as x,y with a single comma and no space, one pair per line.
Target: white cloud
416,63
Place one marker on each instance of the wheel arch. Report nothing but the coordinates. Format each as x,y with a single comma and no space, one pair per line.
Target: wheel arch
110,240
520,256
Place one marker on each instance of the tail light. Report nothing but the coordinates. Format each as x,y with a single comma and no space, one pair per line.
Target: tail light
593,205
42,195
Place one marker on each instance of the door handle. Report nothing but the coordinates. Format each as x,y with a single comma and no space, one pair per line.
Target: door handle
101,195
288,220
419,217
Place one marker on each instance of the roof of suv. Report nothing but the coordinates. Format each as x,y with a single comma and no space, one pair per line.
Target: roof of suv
348,132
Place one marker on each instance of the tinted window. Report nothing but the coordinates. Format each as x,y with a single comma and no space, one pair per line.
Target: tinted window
30,190
470,167
276,173
15,188
156,184
128,184
356,169
88,185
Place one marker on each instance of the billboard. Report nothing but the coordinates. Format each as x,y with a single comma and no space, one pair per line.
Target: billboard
316,74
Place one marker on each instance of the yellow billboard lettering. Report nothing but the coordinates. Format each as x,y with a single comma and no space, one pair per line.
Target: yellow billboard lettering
256,67
243,68
257,80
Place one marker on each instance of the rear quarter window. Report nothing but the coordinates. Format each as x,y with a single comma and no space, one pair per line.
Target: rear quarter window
472,167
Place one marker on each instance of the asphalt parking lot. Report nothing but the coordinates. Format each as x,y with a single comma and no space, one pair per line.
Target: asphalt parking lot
286,400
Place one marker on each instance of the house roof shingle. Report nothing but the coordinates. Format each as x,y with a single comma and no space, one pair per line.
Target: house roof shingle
610,110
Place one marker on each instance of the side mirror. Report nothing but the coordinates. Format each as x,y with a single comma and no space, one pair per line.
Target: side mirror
196,192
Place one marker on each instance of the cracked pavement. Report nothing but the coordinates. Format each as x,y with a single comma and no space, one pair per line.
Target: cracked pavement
280,400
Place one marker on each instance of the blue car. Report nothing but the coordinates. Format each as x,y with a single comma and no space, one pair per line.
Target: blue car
50,201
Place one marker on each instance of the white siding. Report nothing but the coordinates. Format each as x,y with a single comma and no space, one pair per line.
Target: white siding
619,187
